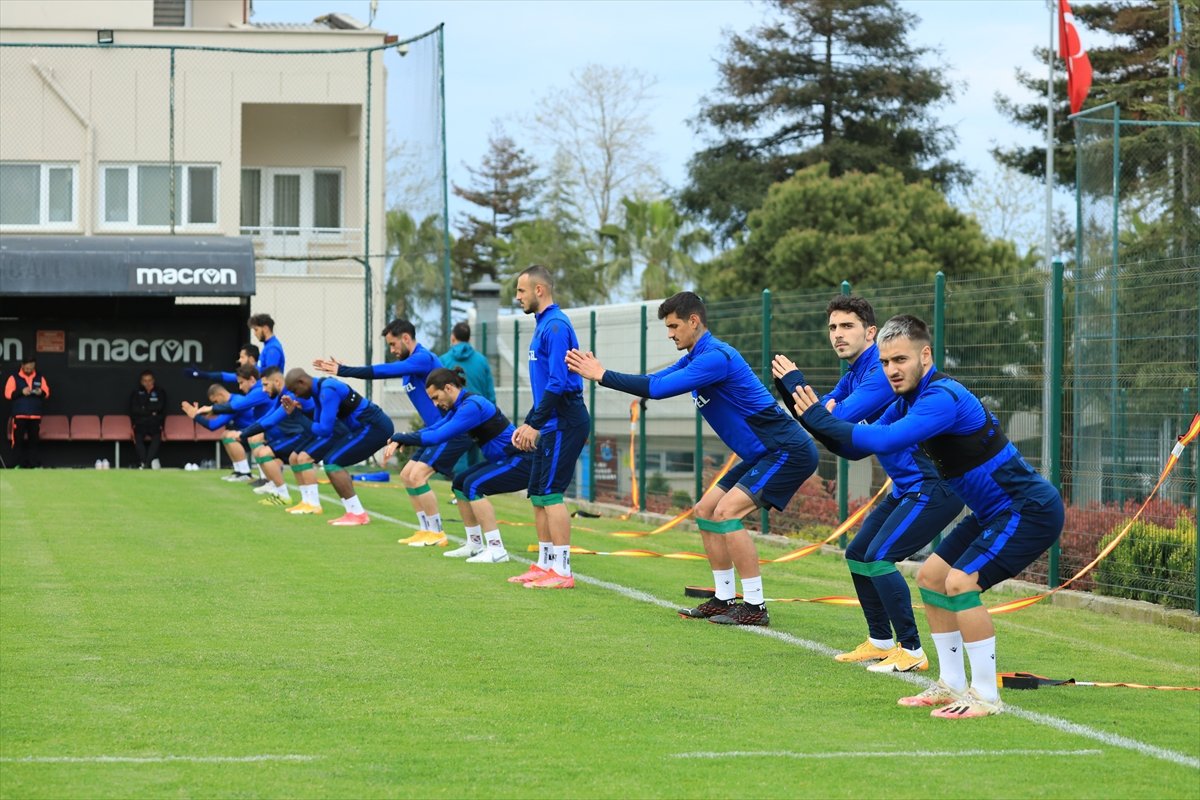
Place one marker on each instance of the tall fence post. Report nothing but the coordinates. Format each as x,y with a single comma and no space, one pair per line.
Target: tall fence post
765,513
516,370
939,334
483,339
642,424
592,406
843,466
1052,423
698,457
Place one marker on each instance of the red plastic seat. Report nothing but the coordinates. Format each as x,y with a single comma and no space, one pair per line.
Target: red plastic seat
116,428
55,428
179,428
203,434
85,428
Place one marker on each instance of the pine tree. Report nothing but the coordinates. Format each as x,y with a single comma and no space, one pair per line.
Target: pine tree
832,81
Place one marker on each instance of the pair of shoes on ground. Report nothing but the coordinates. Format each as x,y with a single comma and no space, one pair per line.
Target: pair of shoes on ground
537,578
949,704
478,555
729,612
238,477
887,659
426,539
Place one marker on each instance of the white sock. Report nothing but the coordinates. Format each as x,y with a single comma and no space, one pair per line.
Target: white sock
983,667
723,581
950,659
353,505
563,559
551,555
544,554
422,520
282,491
494,542
435,522
475,537
882,644
242,466
308,495
752,591
918,653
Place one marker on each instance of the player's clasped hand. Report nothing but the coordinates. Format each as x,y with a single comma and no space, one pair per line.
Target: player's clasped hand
289,404
586,365
805,398
525,438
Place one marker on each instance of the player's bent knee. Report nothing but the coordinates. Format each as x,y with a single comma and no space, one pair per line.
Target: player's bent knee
959,582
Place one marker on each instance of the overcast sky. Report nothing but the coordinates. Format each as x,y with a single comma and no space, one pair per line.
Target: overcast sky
501,56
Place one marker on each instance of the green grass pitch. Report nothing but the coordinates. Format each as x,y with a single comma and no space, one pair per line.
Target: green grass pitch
162,634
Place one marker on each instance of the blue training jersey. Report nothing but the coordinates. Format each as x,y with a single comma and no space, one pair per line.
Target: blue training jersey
414,370
557,392
278,424
961,437
471,415
729,395
862,395
334,401
244,409
271,355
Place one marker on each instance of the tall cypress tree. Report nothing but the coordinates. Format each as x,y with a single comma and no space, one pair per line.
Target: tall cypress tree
832,81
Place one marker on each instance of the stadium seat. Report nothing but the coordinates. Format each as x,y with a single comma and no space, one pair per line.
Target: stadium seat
55,428
203,434
179,428
116,428
85,428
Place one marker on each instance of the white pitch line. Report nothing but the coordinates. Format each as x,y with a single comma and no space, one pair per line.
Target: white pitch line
155,759
885,754
1057,723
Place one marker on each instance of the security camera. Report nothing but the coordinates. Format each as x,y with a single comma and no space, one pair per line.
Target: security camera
402,49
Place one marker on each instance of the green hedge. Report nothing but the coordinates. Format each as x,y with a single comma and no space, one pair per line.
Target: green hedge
1153,563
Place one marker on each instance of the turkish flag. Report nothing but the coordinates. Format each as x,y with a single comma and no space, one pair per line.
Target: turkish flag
1079,68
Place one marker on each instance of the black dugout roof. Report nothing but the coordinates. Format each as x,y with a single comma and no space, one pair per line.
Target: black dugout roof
126,265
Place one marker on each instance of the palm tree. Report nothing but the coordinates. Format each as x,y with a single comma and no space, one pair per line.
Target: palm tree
659,240
414,278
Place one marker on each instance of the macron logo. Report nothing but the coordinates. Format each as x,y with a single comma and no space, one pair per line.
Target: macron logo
185,276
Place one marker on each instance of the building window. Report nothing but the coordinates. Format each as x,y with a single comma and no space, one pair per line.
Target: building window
287,202
171,13
140,196
38,195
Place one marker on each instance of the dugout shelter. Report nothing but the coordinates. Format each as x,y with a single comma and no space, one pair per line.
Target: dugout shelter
97,310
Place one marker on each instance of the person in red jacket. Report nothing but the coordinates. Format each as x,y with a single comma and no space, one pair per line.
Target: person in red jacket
28,391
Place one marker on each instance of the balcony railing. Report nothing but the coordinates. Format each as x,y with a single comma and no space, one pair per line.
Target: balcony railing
301,243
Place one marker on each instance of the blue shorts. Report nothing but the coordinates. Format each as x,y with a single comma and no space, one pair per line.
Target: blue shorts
442,457
510,474
1009,543
376,428
774,477
900,526
284,447
554,459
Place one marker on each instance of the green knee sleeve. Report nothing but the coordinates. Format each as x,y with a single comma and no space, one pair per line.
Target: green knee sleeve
543,500
334,468
461,496
263,459
303,467
712,526
228,440
419,490
257,446
870,569
959,602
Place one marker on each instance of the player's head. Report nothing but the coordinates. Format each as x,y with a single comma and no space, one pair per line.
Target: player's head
905,351
851,325
444,385
218,394
685,317
262,326
272,381
299,382
247,376
460,333
535,289
401,337
248,354
146,379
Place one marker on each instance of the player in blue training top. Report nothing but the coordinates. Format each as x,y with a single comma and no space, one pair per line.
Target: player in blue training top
233,411
247,356
1016,514
777,455
367,429
920,505
263,328
555,429
414,363
272,439
505,469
